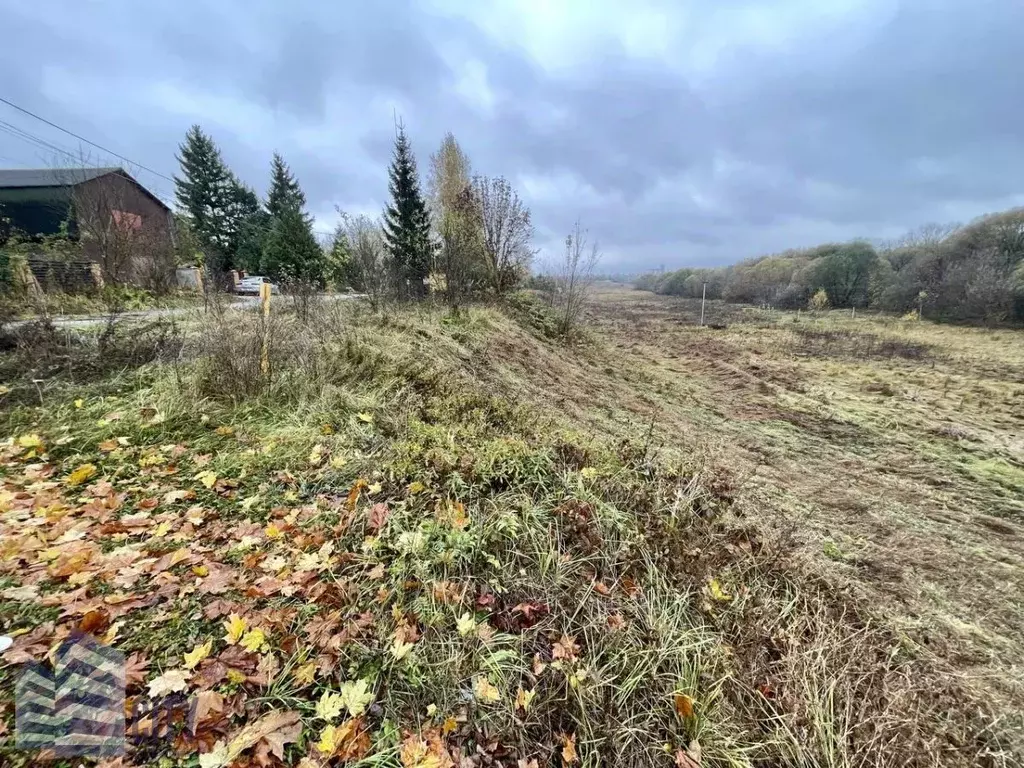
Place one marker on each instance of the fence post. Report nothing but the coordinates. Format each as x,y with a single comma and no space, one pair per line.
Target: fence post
264,353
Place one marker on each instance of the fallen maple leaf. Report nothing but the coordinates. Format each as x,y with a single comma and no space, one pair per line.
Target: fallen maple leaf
485,692
81,474
95,622
568,749
377,517
565,649
235,626
426,751
207,478
253,640
329,706
400,649
172,681
304,675
275,725
465,624
172,497
357,696
197,654
717,593
524,699
135,667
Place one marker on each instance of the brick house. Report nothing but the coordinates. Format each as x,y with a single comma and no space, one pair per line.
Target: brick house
116,223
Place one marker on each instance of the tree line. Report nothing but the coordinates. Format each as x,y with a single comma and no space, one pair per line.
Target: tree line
466,235
972,274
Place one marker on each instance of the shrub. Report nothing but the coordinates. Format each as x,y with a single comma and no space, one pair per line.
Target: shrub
819,301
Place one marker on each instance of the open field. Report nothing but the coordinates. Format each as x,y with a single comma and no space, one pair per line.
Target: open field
426,540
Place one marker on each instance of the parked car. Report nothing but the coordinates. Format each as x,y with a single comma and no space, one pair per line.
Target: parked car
252,283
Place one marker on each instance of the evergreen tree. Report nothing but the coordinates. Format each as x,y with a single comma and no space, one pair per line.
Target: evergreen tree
284,189
225,215
251,224
406,223
291,253
205,191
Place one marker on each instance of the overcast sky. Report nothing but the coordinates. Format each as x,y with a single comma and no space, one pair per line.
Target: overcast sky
679,133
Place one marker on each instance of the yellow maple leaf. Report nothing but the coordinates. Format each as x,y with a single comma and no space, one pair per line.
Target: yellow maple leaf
329,706
365,417
273,532
81,474
254,639
328,743
524,699
337,462
357,696
717,593
200,570
79,403
304,675
589,473
161,530
207,478
30,441
400,649
197,654
484,691
450,725
236,626
416,487
465,624
236,677
225,431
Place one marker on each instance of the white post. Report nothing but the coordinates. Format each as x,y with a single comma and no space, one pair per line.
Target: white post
703,295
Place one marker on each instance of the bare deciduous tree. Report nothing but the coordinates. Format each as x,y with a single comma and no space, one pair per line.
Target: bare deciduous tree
126,234
575,278
507,231
369,258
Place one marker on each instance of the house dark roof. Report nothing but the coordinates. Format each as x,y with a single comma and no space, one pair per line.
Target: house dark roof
51,177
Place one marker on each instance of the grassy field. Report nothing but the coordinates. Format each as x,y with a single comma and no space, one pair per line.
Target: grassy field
426,540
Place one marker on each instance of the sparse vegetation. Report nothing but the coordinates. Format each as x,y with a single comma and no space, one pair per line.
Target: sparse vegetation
972,274
421,538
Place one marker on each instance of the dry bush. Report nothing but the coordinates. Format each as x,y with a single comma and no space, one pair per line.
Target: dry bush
38,355
229,353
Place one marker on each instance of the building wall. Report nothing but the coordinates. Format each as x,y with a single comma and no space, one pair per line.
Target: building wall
125,231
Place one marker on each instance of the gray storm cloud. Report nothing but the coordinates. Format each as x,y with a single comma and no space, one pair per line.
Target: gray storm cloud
883,119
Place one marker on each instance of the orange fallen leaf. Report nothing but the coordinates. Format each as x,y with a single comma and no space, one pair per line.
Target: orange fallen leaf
683,704
568,749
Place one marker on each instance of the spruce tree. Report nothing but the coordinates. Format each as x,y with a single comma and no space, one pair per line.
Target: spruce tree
250,225
284,189
205,191
406,223
291,253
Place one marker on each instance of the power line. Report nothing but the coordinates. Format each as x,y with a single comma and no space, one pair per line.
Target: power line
31,138
38,141
82,138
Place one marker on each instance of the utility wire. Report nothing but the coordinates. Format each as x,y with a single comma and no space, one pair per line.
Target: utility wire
82,138
38,141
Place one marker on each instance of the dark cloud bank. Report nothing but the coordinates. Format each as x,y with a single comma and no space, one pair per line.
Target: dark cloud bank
888,117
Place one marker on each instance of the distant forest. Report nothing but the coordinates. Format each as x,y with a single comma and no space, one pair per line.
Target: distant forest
969,274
